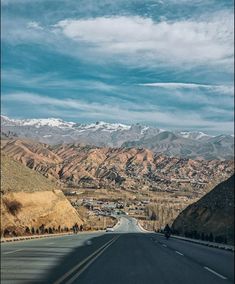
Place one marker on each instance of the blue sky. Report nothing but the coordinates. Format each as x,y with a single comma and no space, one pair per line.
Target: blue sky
166,63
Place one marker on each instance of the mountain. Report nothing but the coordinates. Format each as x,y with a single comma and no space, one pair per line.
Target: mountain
220,147
29,200
183,144
212,214
129,169
195,135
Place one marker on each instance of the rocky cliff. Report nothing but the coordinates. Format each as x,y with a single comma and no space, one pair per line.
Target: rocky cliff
29,200
212,215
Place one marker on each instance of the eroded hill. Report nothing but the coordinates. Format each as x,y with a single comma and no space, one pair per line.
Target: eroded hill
128,169
29,200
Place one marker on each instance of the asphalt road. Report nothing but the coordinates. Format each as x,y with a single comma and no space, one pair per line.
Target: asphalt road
125,256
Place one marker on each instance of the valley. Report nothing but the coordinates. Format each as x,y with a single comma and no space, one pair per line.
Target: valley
102,181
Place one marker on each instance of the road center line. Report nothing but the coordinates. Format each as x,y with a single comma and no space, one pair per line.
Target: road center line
101,249
164,246
179,252
88,264
216,273
13,251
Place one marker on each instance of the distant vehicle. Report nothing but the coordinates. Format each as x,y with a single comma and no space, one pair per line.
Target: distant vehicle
109,230
167,235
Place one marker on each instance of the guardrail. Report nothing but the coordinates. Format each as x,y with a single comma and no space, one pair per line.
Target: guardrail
205,243
23,238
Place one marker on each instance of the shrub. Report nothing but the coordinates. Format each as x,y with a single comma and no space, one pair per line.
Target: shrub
42,229
211,238
13,206
27,230
6,233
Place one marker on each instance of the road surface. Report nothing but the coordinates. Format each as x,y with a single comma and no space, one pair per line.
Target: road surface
125,256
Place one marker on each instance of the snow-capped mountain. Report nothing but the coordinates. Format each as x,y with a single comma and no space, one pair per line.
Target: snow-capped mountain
51,122
100,125
197,135
172,143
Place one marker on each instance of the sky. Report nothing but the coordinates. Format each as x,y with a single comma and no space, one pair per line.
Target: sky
164,63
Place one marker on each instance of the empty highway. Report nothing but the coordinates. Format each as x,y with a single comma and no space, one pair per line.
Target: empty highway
127,255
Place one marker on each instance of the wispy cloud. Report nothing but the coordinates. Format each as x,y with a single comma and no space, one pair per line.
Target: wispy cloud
52,81
226,89
34,25
128,112
167,62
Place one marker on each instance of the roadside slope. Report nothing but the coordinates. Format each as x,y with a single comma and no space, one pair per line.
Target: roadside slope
212,214
31,200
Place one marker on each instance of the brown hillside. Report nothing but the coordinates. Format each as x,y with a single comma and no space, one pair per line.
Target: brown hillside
30,200
87,166
213,213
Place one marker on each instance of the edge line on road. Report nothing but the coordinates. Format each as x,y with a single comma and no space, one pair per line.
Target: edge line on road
214,272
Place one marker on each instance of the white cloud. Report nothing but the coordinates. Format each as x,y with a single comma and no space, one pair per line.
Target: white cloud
126,112
52,80
34,25
199,42
225,89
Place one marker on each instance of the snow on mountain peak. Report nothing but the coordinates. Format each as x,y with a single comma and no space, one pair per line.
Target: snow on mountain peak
52,122
104,126
193,135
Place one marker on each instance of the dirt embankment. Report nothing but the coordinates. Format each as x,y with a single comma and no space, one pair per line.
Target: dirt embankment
32,204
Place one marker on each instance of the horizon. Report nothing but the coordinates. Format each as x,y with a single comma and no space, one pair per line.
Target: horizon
118,123
86,61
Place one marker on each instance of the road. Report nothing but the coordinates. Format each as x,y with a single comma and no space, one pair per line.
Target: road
125,256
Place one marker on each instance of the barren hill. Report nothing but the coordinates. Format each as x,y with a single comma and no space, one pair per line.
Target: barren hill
29,200
129,169
212,214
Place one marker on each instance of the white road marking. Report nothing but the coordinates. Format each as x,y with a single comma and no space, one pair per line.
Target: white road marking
89,259
13,251
50,243
214,272
164,246
179,252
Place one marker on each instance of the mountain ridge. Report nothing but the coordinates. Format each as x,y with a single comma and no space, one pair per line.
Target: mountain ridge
183,144
83,165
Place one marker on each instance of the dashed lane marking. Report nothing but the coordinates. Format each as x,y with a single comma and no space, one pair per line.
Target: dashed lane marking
13,251
216,273
179,252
